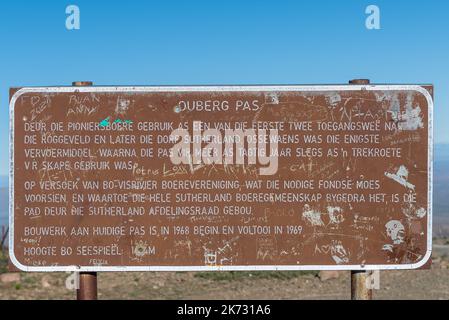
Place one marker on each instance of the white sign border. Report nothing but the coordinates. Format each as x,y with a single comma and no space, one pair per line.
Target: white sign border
298,88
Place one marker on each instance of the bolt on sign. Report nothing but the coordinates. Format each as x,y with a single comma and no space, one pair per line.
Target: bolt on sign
221,178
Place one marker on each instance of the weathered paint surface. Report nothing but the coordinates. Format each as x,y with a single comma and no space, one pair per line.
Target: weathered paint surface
130,222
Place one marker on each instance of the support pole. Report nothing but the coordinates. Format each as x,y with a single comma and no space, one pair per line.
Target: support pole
87,287
359,278
359,288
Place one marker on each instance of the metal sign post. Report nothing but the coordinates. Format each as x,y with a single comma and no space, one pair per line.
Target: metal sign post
87,287
359,288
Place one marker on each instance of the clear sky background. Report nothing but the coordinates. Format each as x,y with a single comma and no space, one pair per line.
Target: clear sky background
224,42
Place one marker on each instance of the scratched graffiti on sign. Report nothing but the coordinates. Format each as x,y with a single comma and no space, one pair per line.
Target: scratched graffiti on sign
221,178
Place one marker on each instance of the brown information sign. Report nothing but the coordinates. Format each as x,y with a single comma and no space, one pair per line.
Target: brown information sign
221,178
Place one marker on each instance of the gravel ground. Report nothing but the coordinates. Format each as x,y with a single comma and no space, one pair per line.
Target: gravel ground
419,284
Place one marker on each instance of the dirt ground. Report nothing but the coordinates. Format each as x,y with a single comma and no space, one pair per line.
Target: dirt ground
421,284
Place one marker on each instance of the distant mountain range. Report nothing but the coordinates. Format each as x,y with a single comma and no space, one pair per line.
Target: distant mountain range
441,178
4,199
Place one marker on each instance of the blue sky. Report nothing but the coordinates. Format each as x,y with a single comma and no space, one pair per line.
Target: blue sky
223,42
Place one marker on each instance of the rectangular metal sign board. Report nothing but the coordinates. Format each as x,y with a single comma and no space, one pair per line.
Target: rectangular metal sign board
221,178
